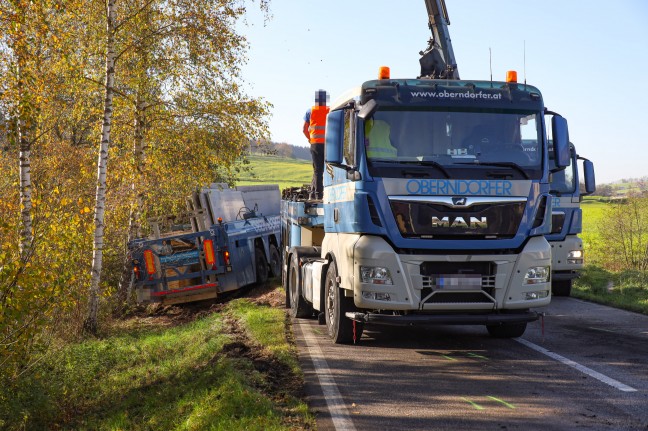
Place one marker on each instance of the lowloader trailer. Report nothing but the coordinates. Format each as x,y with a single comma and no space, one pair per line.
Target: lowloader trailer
232,241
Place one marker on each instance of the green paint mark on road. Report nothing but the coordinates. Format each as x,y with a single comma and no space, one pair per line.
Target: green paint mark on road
472,403
475,355
510,406
449,358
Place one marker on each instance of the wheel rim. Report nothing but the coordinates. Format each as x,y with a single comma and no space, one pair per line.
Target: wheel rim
293,287
330,303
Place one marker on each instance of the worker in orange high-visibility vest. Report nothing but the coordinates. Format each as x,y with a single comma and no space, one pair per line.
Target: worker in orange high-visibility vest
314,127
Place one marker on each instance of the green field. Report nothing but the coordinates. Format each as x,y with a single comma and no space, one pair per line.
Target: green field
592,213
277,170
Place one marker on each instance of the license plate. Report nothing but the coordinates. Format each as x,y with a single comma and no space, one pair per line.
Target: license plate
457,282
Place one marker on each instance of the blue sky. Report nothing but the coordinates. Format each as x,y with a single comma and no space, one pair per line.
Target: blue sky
589,59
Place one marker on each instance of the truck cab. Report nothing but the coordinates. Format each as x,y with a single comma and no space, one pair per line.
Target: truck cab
436,206
567,220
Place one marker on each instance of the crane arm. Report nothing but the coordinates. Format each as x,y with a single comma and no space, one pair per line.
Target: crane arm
438,60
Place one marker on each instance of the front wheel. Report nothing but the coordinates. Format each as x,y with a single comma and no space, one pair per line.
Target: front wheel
507,330
341,329
298,305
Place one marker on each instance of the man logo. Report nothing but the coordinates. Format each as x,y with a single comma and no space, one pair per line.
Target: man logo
460,222
459,202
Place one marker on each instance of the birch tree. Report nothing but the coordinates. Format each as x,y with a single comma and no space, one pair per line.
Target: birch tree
90,324
22,105
40,226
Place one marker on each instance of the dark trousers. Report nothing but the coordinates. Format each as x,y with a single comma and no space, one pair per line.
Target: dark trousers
317,186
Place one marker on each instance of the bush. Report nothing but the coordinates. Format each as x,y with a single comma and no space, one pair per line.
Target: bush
623,241
595,279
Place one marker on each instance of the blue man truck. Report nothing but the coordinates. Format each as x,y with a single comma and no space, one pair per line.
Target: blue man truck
231,240
436,204
567,253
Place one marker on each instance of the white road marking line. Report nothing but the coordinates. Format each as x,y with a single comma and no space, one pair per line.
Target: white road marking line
339,414
583,369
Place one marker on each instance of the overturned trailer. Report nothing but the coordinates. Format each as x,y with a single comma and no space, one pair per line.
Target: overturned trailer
227,239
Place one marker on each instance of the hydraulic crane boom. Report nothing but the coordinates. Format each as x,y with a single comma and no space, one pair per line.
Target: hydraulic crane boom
438,60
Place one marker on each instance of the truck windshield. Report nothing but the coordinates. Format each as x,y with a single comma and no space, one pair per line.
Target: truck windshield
562,182
456,139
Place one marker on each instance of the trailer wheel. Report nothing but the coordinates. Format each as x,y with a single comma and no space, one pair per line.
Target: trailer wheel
298,305
340,327
261,265
561,287
275,261
509,330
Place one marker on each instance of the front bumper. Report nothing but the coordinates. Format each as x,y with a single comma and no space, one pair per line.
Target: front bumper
410,289
564,275
444,319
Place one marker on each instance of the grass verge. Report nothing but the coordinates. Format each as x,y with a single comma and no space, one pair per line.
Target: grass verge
627,290
233,368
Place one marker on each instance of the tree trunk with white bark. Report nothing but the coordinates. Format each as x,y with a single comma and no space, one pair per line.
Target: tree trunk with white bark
90,325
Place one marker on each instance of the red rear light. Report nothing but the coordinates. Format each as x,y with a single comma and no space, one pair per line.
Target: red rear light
210,257
226,257
149,260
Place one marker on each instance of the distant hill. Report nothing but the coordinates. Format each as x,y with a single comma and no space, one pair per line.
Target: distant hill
623,188
281,149
273,169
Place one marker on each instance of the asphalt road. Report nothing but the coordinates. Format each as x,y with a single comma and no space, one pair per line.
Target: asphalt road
586,367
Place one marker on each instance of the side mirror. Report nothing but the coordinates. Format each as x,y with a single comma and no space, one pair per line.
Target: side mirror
368,109
560,134
333,137
590,181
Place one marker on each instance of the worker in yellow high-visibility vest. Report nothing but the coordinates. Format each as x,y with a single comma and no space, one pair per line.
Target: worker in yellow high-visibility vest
377,141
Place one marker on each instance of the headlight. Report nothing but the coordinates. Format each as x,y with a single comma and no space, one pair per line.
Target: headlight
575,257
375,275
537,274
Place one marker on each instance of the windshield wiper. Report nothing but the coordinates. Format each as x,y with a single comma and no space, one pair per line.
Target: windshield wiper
511,165
432,163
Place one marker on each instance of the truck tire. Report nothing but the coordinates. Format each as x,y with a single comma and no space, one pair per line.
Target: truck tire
509,330
340,327
261,265
561,287
275,261
298,305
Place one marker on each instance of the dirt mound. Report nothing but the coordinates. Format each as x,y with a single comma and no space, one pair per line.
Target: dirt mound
171,315
267,295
